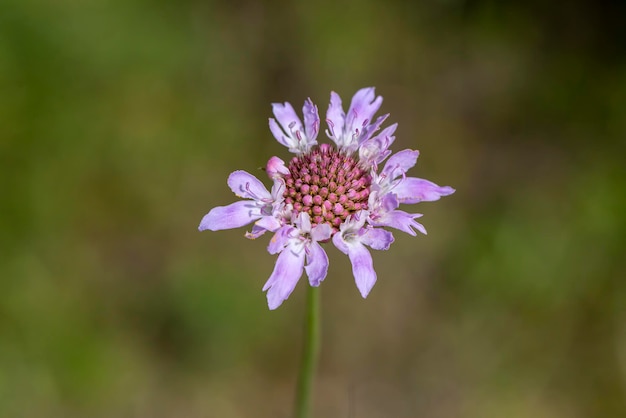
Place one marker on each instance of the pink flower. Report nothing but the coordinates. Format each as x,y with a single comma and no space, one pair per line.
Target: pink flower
327,192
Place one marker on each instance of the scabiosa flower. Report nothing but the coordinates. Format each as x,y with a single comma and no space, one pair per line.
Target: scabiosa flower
328,193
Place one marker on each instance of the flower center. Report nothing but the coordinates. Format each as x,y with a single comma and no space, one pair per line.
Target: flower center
327,184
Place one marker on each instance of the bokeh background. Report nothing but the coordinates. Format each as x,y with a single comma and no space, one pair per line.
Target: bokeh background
120,121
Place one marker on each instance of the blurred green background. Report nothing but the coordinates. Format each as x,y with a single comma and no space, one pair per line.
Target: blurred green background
120,121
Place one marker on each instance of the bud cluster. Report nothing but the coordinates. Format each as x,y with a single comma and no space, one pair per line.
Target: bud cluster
327,184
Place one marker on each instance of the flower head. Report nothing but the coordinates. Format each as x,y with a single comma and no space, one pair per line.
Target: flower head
290,131
328,193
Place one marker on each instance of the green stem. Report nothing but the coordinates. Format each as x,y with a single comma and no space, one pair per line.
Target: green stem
309,353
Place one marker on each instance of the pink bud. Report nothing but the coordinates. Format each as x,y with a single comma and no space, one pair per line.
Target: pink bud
276,168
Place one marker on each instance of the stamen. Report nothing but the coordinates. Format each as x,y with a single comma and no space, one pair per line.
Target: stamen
331,127
256,197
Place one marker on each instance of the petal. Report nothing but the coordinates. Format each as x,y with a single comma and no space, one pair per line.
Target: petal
245,185
268,222
399,163
321,232
276,168
414,190
362,109
335,117
377,238
400,220
232,216
370,149
340,243
287,118
280,239
278,188
317,264
387,202
303,221
256,232
311,119
374,150
280,135
386,135
284,278
369,130
362,267
354,222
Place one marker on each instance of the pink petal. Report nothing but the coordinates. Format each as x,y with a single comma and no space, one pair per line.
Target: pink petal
414,190
280,239
232,216
321,232
362,267
335,116
284,278
399,163
362,109
317,264
369,130
276,168
401,220
311,119
245,185
269,223
279,134
287,117
377,238
340,243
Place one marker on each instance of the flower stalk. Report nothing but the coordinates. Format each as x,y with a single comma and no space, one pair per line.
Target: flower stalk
310,353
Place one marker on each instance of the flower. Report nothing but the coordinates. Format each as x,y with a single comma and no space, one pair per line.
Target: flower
295,243
328,193
351,239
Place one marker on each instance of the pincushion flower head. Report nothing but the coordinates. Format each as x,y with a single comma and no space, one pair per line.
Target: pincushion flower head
331,192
